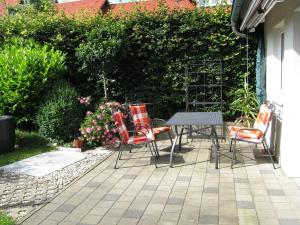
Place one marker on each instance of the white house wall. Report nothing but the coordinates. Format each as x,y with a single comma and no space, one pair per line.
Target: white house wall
285,17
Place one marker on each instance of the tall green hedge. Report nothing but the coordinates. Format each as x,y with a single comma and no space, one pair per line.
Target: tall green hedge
158,48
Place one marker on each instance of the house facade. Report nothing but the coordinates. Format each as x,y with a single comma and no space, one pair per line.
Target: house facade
280,23
212,3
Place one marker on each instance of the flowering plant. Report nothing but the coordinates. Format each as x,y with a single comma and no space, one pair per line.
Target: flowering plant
98,128
84,100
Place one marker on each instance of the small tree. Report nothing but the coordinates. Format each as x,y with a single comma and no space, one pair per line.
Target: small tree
102,50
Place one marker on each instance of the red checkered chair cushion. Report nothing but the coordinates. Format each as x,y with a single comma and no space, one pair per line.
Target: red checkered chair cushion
256,133
118,118
140,116
135,140
140,139
142,122
158,130
263,118
252,135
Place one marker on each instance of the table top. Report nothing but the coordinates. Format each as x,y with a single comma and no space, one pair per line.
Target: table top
196,118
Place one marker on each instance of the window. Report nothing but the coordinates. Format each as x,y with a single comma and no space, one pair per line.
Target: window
281,58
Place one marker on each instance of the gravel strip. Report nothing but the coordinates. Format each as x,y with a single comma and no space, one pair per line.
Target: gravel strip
20,194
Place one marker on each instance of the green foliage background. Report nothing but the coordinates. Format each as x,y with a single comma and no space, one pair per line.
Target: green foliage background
158,48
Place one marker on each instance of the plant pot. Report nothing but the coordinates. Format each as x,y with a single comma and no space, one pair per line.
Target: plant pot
77,143
7,134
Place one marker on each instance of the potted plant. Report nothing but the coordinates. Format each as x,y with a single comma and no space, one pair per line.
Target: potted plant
78,142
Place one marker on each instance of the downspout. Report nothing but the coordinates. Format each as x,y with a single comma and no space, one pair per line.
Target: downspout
235,13
235,29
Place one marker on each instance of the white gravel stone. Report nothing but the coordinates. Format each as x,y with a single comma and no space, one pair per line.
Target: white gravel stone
20,194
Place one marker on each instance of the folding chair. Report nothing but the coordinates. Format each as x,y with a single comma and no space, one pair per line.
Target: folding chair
254,135
144,137
142,121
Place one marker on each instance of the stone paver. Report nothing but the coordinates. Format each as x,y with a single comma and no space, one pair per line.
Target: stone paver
191,193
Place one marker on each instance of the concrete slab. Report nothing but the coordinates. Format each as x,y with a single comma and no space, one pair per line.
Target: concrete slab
43,164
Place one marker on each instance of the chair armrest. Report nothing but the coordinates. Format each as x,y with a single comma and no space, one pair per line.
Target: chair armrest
139,127
245,128
156,120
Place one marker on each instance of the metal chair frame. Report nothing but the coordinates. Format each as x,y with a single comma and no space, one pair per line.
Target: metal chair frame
153,125
262,141
150,145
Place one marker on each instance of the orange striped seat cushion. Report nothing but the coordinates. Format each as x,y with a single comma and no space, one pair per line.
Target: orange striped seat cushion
158,130
245,133
140,139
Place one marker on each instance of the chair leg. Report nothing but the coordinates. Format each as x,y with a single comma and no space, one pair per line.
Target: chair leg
119,154
170,137
233,159
269,152
130,148
153,154
230,148
156,149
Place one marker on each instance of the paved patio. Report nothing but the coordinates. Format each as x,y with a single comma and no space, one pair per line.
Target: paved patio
192,192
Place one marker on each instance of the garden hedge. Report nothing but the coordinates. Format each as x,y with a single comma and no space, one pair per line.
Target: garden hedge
159,45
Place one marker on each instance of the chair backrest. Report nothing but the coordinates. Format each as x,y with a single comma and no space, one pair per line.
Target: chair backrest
263,118
122,129
140,116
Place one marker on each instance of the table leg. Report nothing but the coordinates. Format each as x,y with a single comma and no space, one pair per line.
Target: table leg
180,138
215,145
172,150
173,146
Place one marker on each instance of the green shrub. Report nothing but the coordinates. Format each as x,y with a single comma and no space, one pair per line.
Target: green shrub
60,115
25,139
26,69
5,220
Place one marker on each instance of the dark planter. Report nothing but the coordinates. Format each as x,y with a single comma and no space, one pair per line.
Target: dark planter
7,134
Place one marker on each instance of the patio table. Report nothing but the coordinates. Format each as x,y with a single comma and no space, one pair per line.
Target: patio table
210,119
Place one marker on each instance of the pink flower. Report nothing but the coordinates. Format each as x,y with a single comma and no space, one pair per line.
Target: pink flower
89,113
88,130
84,100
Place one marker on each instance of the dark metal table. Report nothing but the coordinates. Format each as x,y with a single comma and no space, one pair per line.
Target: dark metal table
184,119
